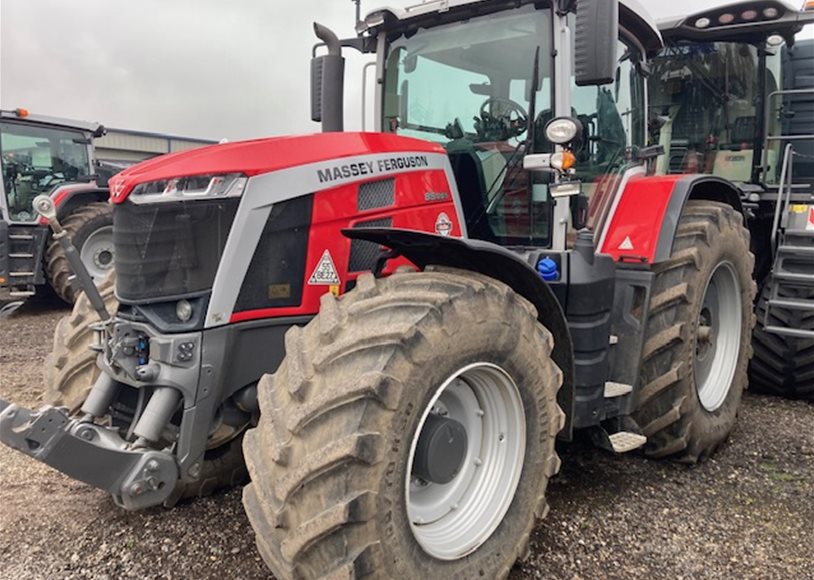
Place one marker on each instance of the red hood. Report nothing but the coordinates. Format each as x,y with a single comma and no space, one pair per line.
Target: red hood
262,156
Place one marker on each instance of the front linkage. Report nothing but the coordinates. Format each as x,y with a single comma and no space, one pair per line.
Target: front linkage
97,455
136,475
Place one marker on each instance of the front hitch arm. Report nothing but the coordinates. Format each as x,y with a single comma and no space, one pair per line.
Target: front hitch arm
96,455
82,278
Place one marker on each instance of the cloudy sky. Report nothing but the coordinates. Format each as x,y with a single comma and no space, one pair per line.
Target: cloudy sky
202,68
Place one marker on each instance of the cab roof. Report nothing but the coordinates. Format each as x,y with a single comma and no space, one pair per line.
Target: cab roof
633,16
23,116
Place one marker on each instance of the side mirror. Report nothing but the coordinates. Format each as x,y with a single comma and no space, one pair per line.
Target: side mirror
597,33
327,83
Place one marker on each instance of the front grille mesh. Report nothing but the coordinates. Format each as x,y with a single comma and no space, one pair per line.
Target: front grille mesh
363,254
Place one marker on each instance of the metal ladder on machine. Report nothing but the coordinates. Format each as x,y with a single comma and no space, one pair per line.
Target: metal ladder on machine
792,275
22,254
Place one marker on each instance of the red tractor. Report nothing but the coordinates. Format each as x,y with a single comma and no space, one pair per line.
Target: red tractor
393,328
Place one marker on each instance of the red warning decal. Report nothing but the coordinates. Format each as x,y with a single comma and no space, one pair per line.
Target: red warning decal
810,225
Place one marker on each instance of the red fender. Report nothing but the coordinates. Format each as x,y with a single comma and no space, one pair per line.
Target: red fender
644,222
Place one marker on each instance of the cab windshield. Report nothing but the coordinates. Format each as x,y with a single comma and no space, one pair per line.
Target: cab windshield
705,99
468,85
37,158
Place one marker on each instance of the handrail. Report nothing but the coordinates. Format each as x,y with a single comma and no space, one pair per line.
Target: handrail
785,175
768,122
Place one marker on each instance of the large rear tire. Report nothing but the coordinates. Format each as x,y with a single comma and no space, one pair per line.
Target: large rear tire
70,372
697,336
91,230
783,365
334,460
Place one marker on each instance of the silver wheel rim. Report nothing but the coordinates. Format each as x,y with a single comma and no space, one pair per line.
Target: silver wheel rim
718,337
97,252
452,520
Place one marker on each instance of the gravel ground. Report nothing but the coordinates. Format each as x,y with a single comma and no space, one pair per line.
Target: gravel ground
746,513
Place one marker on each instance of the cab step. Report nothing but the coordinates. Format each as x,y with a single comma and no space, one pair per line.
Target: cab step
21,293
625,441
613,390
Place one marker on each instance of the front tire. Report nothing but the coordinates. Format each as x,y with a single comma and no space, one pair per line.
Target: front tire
341,420
697,336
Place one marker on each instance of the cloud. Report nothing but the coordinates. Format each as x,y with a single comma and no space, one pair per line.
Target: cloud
203,68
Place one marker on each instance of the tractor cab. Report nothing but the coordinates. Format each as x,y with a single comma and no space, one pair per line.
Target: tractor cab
44,155
37,155
718,94
531,133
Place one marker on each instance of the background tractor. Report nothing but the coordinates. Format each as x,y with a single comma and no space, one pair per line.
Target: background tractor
732,95
394,327
47,155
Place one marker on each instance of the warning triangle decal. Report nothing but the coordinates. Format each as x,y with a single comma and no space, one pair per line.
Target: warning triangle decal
627,244
325,272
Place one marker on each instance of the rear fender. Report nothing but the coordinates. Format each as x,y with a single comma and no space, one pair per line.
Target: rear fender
644,221
424,249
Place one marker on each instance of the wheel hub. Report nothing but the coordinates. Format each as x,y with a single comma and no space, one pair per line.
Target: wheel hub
465,461
717,337
441,450
97,253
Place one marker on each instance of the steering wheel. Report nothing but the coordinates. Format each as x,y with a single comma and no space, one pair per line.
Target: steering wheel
506,107
510,121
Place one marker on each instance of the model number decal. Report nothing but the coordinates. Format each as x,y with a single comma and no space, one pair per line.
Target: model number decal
382,166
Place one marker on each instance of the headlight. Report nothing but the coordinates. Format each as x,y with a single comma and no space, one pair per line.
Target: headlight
183,310
194,186
563,130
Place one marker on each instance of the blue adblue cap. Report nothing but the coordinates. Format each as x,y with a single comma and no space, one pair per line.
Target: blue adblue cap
547,268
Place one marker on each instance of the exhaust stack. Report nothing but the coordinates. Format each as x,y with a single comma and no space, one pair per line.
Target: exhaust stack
327,82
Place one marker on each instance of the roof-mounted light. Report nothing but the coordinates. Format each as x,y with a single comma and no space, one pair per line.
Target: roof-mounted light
703,23
21,112
749,15
372,20
726,18
775,40
771,12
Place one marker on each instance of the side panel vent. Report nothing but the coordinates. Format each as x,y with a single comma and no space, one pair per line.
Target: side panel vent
363,254
376,194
